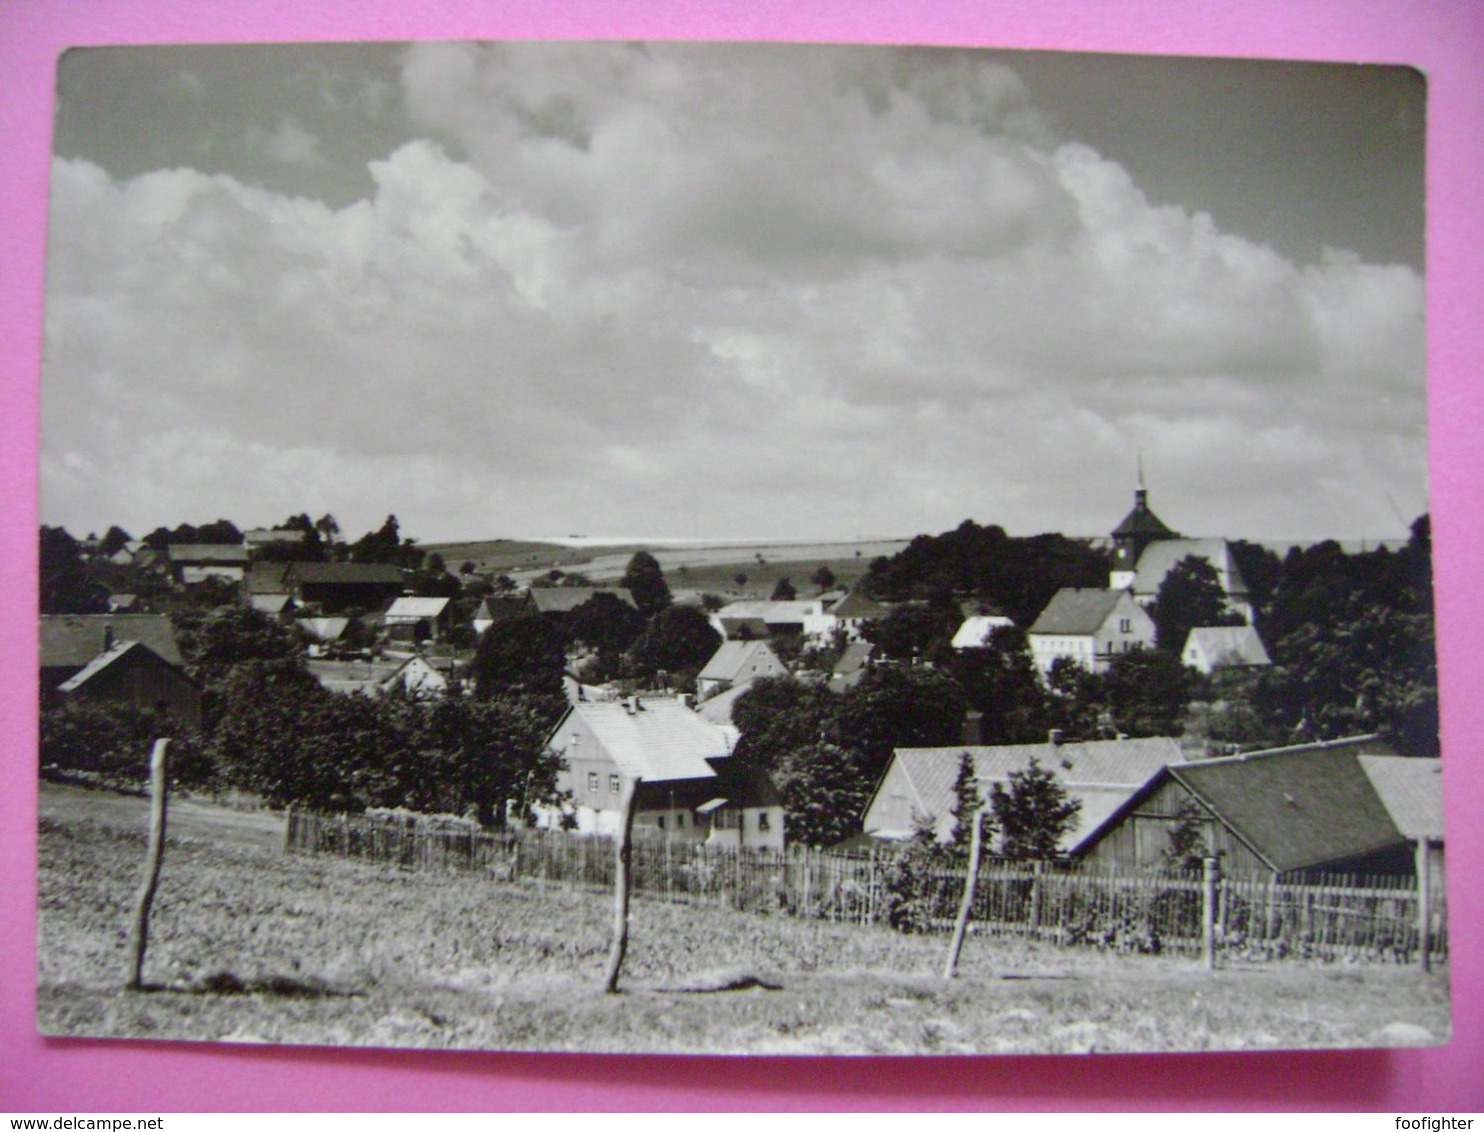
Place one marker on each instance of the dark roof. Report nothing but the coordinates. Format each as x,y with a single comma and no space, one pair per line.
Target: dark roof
344,573
1295,807
234,554
1142,521
72,640
1077,611
564,599
107,659
267,578
743,786
857,604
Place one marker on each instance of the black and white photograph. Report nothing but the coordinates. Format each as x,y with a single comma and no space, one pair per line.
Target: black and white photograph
737,548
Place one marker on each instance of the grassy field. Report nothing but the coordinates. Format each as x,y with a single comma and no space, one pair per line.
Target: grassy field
248,945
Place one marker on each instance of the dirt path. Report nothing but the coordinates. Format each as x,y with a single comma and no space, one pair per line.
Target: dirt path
259,829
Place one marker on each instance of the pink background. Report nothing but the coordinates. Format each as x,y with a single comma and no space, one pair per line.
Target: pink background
1444,38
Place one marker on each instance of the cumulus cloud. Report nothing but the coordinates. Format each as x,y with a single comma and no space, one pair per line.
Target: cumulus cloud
668,290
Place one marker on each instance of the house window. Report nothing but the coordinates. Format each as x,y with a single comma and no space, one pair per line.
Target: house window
763,825
679,821
1126,625
592,781
660,821
612,784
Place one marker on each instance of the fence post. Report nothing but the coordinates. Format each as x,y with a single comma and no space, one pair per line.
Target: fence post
966,904
288,829
1424,905
621,880
139,930
1210,875
1037,869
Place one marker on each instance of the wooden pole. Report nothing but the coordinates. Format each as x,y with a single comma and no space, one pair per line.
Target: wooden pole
621,881
1424,904
965,905
139,930
1210,873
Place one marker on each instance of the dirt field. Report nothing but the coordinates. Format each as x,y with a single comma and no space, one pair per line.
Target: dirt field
248,945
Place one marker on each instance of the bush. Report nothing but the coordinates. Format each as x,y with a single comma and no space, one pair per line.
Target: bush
110,744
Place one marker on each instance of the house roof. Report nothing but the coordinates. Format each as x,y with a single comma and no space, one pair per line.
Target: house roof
744,628
564,599
122,603
234,554
1076,612
718,708
1159,558
107,659
1230,644
267,578
269,602
1412,792
772,612
343,573
263,535
323,629
858,605
975,632
660,740
416,608
71,640
733,658
744,787
1101,775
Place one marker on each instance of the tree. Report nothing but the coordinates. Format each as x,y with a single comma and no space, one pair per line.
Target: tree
679,640
894,707
913,632
824,793
486,754
1190,597
778,715
1187,848
824,578
66,586
1033,813
740,579
231,634
328,528
644,579
1001,682
114,540
784,591
522,656
1146,692
967,804
608,626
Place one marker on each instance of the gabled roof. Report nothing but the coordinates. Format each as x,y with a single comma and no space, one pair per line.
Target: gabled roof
416,607
122,603
234,554
857,605
733,659
1229,644
975,632
1074,612
564,599
323,629
1101,775
744,628
660,741
1294,807
267,578
1159,558
273,603
718,708
343,573
107,659
263,536
71,640
743,787
1142,521
1412,792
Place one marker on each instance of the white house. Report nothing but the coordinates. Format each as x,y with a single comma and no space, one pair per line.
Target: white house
690,792
737,662
975,632
1089,627
1212,647
782,618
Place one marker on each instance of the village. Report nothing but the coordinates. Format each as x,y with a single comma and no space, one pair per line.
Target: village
1136,721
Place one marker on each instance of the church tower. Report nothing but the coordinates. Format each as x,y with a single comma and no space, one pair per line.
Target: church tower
1139,528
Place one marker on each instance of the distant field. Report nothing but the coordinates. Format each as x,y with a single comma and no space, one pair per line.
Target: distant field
250,946
708,569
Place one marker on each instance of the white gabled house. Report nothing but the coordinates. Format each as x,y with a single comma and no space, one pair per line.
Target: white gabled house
737,662
1090,628
690,792
1234,646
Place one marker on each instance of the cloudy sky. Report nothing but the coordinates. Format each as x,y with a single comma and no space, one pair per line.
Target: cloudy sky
744,291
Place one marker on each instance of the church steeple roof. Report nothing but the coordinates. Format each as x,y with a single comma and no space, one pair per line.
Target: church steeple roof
1142,522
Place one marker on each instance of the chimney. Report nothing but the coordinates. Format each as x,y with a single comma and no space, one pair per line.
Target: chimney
107,637
1055,737
973,730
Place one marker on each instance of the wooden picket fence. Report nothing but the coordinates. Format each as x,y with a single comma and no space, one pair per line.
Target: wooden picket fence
1373,919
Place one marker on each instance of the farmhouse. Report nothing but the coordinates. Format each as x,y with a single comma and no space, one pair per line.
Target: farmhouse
781,618
338,586
854,612
689,792
416,619
737,662
1226,646
1089,627
120,658
421,676
1286,813
194,563
917,788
